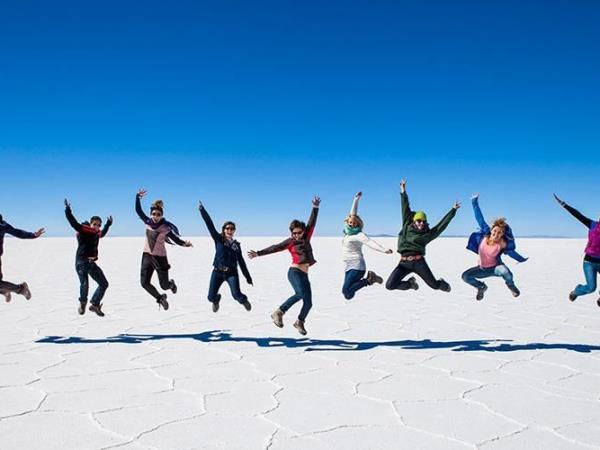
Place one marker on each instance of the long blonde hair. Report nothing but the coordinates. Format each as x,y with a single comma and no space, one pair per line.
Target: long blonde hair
358,219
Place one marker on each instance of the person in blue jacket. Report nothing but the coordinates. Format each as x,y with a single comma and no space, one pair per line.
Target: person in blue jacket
228,254
490,243
6,287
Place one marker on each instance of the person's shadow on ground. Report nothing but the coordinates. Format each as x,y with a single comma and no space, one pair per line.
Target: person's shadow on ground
314,345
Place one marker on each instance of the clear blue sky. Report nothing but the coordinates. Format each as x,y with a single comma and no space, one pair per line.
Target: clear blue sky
254,107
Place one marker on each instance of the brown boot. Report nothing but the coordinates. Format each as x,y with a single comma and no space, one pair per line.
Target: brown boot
372,277
247,305
25,291
97,309
7,296
81,309
299,325
277,317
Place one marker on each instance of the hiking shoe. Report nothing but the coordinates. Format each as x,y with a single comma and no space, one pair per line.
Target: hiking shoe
81,309
25,291
572,296
444,286
413,283
277,317
598,302
98,309
215,304
7,296
247,305
481,291
515,292
299,325
162,301
173,286
372,277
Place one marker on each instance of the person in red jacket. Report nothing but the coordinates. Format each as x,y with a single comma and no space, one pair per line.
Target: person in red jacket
298,244
88,237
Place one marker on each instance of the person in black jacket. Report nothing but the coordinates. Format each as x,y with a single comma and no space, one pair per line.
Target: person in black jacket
88,237
228,254
6,287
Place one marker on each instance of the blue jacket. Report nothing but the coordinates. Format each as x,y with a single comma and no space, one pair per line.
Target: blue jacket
227,254
484,230
7,228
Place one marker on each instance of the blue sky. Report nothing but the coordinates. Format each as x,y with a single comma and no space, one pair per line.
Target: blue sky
254,107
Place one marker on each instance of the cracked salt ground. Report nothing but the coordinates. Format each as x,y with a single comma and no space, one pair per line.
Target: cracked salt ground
385,370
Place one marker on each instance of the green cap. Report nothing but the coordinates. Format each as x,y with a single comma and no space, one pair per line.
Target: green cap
420,215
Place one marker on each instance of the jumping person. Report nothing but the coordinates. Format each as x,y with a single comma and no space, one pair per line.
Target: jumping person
7,287
158,232
302,258
591,260
354,239
412,240
228,254
88,237
490,243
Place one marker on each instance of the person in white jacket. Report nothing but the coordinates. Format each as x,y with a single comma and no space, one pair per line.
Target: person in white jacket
354,239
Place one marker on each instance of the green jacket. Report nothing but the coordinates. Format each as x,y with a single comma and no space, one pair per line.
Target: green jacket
412,241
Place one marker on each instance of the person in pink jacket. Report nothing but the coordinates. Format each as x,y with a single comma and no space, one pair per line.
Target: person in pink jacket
158,232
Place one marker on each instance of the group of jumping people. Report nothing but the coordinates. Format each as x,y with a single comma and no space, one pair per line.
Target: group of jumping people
489,242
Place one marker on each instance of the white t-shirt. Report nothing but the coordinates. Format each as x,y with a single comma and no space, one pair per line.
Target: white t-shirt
352,253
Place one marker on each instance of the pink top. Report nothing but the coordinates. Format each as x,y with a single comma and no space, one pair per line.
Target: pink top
155,240
488,254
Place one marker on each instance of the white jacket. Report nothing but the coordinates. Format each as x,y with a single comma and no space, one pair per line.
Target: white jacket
352,253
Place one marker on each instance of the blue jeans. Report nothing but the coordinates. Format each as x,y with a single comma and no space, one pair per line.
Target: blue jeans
353,281
299,281
590,270
87,268
217,278
470,275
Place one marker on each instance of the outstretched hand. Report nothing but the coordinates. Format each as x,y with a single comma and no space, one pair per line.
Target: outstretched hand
389,251
109,220
252,254
475,196
67,204
403,185
188,244
456,204
358,194
316,201
560,202
141,193
200,205
39,232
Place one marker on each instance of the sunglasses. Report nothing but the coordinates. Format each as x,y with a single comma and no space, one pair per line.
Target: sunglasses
229,228
419,221
156,214
297,233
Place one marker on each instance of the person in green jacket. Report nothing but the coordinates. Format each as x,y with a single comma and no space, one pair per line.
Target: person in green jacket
412,240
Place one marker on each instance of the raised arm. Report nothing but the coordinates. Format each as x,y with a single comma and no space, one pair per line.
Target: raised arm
109,222
404,204
177,240
71,218
484,227
366,240
583,219
312,220
138,206
209,223
443,224
354,209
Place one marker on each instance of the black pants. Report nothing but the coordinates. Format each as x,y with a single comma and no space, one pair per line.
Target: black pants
86,268
6,286
403,268
160,264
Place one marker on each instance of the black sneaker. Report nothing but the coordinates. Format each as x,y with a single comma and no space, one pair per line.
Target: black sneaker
7,296
98,309
215,304
413,283
480,292
444,286
514,290
162,301
299,325
598,302
25,291
572,296
173,286
81,309
247,305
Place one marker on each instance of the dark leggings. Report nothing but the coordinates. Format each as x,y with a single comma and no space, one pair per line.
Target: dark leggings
403,268
160,264
7,286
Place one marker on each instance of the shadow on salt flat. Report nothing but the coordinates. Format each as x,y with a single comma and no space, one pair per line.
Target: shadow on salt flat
493,345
